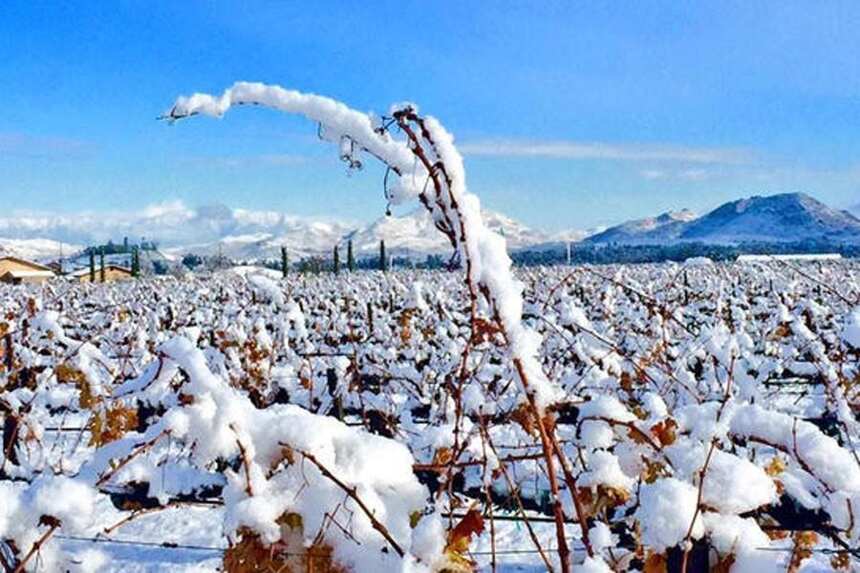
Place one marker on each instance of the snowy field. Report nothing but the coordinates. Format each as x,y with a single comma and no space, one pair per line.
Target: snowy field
362,421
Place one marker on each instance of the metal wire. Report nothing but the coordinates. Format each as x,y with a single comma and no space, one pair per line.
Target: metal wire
181,546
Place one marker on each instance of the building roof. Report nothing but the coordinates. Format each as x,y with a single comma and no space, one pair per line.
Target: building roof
21,274
86,270
25,262
789,257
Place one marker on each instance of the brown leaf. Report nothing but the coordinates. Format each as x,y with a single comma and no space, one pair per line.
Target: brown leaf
626,382
524,416
655,563
723,564
251,555
665,431
442,456
775,467
460,537
653,470
111,424
50,521
484,330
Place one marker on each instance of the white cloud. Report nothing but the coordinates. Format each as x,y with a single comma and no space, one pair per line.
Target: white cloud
604,151
174,209
170,223
692,174
653,174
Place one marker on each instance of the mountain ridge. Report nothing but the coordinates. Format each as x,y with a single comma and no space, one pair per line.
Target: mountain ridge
780,218
242,235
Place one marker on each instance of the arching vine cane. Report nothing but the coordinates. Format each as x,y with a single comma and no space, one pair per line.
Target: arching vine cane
430,168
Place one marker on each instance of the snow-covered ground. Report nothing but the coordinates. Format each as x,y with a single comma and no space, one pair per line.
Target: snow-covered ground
651,368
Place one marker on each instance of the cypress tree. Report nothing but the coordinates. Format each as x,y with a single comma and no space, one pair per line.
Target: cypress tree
135,262
336,260
383,262
92,265
285,261
350,258
102,261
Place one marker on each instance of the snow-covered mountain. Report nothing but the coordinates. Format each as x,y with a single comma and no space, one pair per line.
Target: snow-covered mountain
787,217
302,238
412,234
243,235
240,234
665,227
36,249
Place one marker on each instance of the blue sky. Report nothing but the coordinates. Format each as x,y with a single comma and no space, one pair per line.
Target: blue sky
570,114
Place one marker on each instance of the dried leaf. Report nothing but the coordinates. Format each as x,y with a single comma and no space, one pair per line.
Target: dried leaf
112,424
655,563
665,431
723,564
442,456
251,555
459,539
775,467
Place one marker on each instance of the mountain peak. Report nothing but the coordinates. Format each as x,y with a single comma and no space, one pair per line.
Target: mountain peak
682,215
415,232
783,217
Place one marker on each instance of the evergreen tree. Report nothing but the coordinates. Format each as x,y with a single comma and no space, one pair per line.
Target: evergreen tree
285,261
336,260
92,266
383,261
102,261
135,262
350,258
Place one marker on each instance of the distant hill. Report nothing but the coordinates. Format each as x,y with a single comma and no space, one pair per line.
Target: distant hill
247,236
665,227
302,238
788,217
36,249
412,234
415,233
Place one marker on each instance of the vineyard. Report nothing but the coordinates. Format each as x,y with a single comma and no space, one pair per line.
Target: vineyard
365,418
694,417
